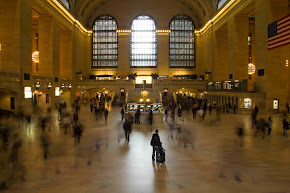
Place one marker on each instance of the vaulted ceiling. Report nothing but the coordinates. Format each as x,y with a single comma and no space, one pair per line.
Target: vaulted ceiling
199,10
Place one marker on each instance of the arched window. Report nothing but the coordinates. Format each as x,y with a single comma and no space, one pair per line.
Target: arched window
105,43
143,43
181,46
66,3
221,3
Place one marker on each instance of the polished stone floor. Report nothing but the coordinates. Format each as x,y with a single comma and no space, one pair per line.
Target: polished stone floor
213,162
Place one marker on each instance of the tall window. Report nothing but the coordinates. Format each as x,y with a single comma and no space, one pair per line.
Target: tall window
143,43
105,43
181,44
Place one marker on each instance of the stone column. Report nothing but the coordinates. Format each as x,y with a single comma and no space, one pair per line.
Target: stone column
163,54
124,53
45,44
65,55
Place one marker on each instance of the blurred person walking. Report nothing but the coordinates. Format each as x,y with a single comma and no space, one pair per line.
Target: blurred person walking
218,113
4,133
75,117
43,123
78,130
260,126
106,113
254,117
28,123
66,122
127,129
285,127
201,113
91,107
166,114
137,116
173,115
14,147
210,109
269,125
45,142
179,112
194,110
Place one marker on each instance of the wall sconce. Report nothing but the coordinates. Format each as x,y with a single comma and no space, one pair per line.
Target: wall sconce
49,85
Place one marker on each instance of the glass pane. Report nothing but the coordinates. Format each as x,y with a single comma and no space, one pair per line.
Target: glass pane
181,46
105,42
143,42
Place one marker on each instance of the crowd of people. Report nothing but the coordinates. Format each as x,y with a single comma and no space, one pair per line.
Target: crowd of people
69,123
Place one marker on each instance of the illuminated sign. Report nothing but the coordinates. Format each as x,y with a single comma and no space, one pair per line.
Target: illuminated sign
247,103
57,91
275,104
27,92
140,79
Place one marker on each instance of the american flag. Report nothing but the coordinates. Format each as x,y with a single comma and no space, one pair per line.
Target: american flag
279,33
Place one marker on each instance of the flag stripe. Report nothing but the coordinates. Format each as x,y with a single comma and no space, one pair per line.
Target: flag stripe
279,33
284,18
282,35
284,21
280,40
279,45
279,27
284,29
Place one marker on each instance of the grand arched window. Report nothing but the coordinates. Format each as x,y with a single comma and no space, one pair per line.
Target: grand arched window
105,43
181,42
143,43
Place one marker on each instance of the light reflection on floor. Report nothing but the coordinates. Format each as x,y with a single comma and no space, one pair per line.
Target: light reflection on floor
101,163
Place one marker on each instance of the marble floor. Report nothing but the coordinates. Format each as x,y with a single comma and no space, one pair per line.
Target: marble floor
213,162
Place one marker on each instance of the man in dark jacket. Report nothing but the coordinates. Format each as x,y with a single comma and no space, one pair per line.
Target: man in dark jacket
155,143
127,128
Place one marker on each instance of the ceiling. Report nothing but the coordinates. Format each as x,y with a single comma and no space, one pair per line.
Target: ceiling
125,10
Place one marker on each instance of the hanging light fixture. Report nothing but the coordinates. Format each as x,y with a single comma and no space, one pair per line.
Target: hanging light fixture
251,66
35,55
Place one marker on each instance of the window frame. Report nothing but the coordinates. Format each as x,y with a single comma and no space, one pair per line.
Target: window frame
194,46
155,42
112,43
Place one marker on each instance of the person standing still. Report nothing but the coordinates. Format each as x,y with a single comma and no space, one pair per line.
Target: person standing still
155,143
285,127
122,113
151,117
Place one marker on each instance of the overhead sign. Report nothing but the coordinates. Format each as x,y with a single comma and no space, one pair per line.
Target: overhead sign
27,92
275,104
57,92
